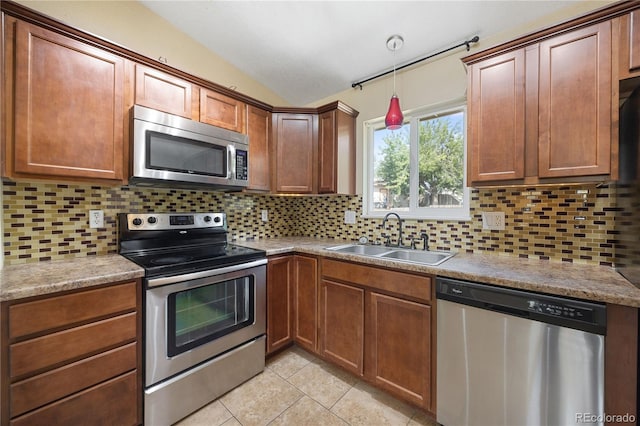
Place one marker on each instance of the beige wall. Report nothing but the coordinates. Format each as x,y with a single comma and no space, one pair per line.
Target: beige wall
130,24
440,80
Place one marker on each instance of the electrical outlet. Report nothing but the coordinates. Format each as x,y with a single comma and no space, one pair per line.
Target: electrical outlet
350,217
493,220
264,214
96,219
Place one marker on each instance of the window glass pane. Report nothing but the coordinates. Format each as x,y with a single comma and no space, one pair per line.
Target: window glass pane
391,168
440,158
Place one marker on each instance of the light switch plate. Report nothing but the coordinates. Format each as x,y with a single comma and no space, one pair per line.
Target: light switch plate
264,214
349,217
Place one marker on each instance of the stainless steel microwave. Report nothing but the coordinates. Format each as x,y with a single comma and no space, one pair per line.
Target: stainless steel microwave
173,151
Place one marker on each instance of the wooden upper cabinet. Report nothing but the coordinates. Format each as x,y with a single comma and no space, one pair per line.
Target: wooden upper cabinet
629,45
327,155
575,103
68,110
295,153
541,112
158,90
222,111
259,132
337,149
497,118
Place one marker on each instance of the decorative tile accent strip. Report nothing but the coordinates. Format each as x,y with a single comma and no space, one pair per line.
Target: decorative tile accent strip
46,221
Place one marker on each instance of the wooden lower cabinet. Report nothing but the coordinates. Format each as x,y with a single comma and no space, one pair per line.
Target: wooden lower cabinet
305,302
398,347
292,291
342,325
74,358
279,306
380,324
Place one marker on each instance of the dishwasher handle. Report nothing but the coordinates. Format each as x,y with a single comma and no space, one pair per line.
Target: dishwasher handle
562,311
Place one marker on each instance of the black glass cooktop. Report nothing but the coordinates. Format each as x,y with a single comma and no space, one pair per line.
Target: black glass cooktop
175,260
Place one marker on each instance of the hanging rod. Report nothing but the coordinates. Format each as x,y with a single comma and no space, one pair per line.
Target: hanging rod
464,43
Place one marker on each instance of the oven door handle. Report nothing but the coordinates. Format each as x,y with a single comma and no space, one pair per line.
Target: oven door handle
155,282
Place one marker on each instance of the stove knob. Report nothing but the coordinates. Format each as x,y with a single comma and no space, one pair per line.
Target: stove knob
217,219
207,219
152,220
137,221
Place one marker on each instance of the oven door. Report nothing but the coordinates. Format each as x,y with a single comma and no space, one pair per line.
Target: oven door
197,316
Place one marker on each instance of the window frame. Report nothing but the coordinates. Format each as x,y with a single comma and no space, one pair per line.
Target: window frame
413,117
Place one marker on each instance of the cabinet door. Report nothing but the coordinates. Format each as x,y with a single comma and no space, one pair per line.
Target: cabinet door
295,165
305,302
279,308
259,132
222,111
399,350
575,103
629,46
634,41
496,118
327,156
158,90
69,107
342,325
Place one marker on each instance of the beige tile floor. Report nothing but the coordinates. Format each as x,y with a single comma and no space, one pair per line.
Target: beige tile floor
299,389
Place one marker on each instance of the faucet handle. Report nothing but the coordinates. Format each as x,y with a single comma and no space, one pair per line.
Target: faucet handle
387,241
413,243
425,239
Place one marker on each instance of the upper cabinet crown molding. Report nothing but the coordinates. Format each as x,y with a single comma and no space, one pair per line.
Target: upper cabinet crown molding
604,13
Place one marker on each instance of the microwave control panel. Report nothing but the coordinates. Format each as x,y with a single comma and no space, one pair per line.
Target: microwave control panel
242,166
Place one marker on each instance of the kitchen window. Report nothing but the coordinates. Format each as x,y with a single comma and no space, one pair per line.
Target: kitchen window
419,170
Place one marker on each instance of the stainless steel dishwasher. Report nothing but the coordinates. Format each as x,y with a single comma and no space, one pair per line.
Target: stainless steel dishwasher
513,357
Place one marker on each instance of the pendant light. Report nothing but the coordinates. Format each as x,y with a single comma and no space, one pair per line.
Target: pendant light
394,117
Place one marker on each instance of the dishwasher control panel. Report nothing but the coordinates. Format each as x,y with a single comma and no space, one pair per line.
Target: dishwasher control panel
573,313
561,310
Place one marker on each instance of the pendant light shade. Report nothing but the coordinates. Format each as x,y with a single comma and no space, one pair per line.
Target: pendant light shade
394,118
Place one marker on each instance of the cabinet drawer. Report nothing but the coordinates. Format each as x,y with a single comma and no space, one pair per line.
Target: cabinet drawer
409,285
56,384
111,403
56,312
36,355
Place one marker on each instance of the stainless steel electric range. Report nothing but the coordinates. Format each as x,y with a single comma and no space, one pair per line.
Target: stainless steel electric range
204,309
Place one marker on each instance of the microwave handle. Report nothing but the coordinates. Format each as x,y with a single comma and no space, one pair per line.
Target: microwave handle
231,161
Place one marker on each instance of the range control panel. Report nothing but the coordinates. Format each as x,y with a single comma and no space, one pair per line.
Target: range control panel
165,221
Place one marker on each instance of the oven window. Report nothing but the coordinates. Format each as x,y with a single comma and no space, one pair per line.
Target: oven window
168,152
202,314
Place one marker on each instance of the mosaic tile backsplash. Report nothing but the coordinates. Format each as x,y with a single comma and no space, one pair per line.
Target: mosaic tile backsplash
44,221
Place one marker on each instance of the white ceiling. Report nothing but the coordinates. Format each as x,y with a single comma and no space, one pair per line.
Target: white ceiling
305,51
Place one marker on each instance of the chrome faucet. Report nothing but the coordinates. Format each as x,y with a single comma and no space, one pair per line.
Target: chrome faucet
384,221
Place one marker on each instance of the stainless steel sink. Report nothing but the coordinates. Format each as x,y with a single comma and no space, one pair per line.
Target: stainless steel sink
430,258
361,249
425,257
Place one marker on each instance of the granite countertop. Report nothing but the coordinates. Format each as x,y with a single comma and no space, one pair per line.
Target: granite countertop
595,283
35,279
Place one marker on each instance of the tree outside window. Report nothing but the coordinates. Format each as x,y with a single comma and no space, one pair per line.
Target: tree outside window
435,179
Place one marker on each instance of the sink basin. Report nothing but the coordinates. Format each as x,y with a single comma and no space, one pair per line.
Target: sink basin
425,257
430,258
361,249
